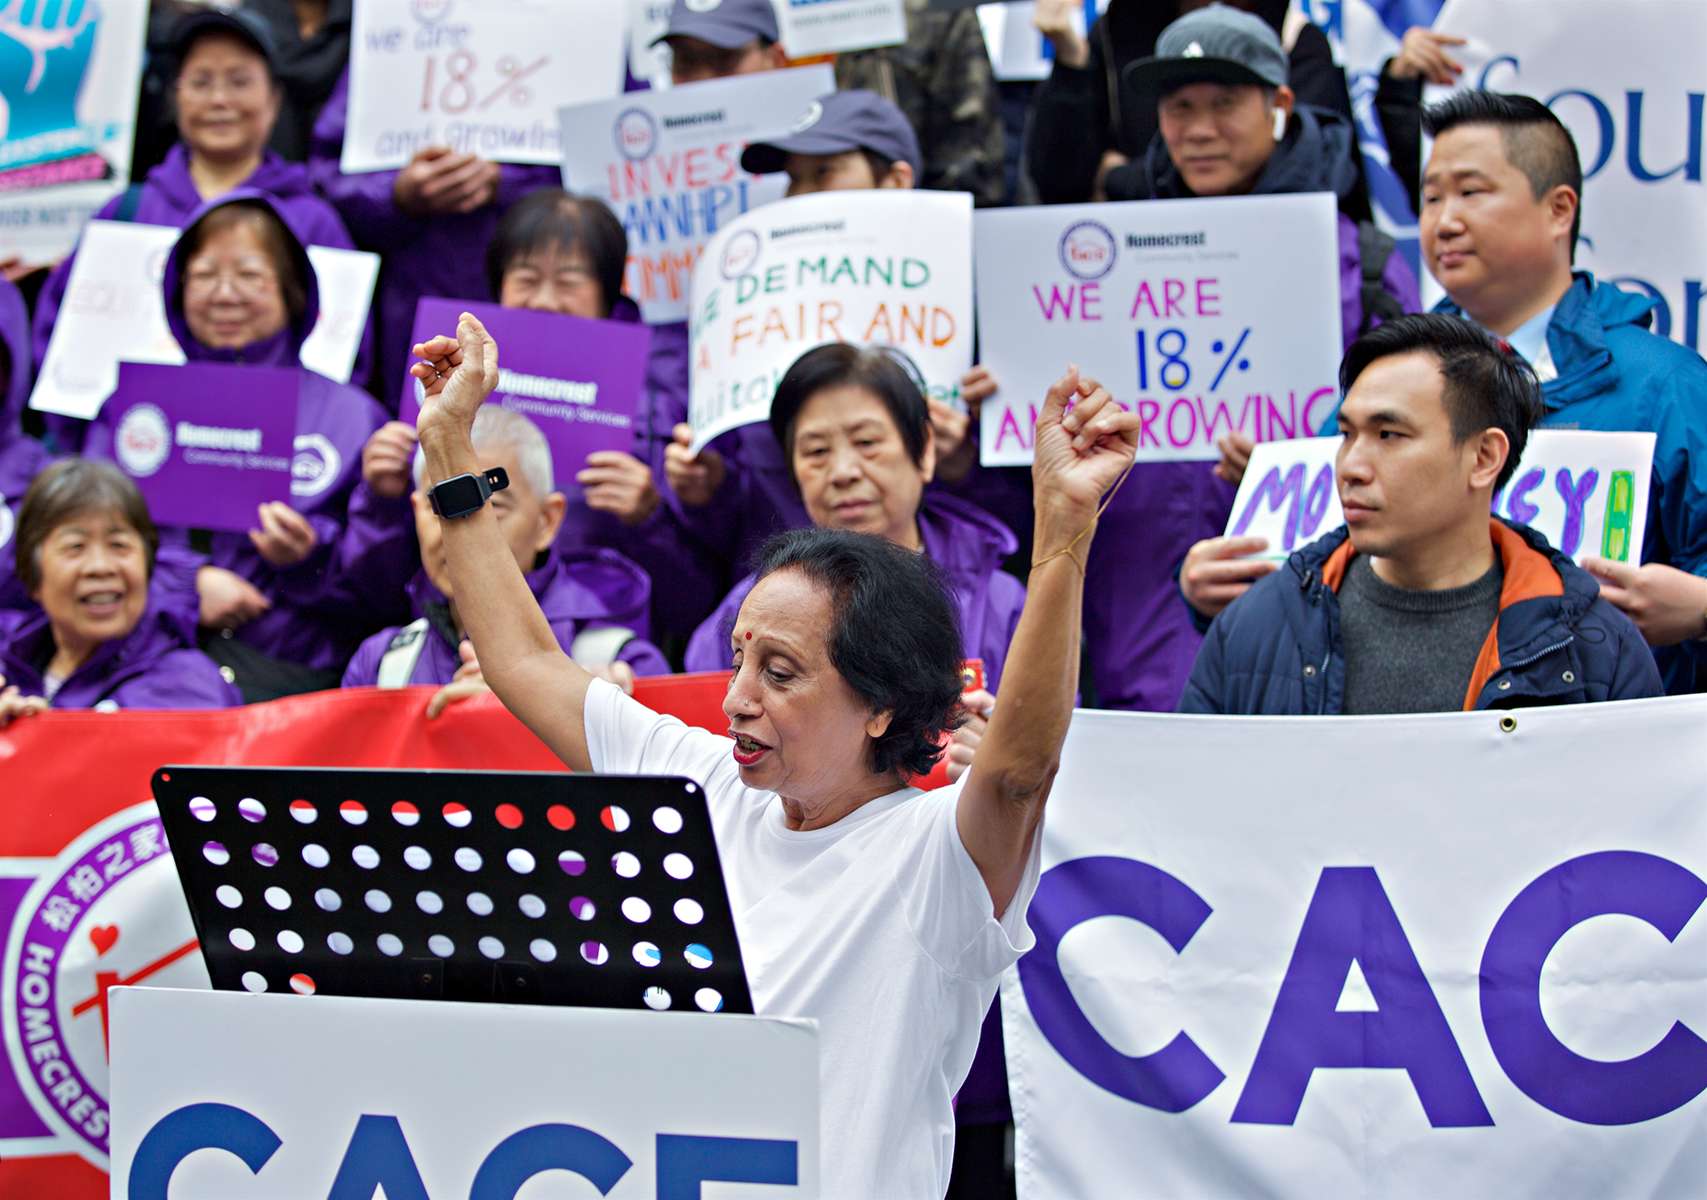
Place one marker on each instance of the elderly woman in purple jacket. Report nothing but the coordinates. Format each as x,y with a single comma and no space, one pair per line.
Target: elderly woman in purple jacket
240,289
227,98
85,552
594,600
561,253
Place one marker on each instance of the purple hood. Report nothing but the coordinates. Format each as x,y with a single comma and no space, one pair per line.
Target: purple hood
153,666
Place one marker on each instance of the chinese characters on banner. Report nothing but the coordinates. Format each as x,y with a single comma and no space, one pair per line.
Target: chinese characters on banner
1206,315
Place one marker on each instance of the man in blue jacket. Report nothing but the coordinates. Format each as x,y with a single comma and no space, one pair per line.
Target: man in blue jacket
1422,602
1500,203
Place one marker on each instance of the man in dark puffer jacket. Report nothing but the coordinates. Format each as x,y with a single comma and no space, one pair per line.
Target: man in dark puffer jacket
1422,602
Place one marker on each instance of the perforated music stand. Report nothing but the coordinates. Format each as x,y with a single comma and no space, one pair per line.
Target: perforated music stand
520,887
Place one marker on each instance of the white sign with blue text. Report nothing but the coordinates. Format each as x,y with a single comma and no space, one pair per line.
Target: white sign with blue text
812,27
298,1098
1461,955
1203,316
1586,492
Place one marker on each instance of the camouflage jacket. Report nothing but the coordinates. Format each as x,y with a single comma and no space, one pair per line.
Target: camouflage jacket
942,79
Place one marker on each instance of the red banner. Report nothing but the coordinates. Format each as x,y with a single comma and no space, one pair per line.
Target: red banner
88,900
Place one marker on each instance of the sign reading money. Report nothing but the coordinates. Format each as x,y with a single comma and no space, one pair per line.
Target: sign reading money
1587,493
1205,316
885,268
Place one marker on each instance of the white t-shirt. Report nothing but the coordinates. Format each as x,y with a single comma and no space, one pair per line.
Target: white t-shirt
878,926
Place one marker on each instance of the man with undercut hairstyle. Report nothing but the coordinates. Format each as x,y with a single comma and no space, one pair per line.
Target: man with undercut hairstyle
1501,209
1422,602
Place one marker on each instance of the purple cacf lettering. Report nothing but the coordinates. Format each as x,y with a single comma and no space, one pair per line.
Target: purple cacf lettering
1518,506
1178,1075
1575,494
1614,882
1350,918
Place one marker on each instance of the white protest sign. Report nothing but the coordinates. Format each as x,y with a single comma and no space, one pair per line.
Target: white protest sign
444,1099
669,166
811,27
1586,492
1626,80
114,311
647,21
1405,957
886,268
1017,50
69,80
1205,316
483,77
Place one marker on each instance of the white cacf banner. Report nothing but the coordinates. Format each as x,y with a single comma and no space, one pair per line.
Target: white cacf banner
114,312
1586,492
669,166
1206,315
1396,957
482,77
1626,79
69,80
882,267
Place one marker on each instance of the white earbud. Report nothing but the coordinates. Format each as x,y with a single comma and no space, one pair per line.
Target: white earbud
1279,124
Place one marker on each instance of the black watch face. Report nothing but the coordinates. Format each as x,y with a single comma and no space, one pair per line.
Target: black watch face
457,496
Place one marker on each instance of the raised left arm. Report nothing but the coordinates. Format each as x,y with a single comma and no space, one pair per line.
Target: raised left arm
1080,455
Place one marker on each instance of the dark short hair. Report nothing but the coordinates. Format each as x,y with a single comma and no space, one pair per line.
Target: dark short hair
895,636
878,370
553,218
1486,385
880,164
290,260
63,490
1534,140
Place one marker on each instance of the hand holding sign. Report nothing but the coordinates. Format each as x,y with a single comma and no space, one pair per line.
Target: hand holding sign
285,537
438,182
1668,605
619,484
388,460
694,478
1217,571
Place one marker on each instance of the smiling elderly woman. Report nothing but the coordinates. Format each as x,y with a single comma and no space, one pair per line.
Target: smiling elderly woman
884,912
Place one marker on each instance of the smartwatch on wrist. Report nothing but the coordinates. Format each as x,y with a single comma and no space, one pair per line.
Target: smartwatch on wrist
461,495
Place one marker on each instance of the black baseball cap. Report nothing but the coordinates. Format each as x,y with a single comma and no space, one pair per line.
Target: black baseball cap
245,26
834,124
1217,44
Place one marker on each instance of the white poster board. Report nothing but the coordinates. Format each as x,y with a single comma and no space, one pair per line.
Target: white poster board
1404,957
483,77
647,21
70,75
1207,316
812,27
114,311
1586,492
453,1098
669,166
1626,80
1018,52
888,268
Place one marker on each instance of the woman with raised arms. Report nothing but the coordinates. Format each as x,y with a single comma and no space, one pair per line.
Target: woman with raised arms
884,912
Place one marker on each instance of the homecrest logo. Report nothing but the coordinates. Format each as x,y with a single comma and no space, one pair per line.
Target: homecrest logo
143,441
1087,250
214,437
1165,241
540,387
688,120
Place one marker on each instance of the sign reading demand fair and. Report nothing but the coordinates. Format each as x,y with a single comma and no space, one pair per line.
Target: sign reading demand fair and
883,268
1208,316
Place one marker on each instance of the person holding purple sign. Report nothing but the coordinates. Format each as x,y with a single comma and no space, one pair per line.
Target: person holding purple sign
559,253
594,600
226,96
85,552
239,288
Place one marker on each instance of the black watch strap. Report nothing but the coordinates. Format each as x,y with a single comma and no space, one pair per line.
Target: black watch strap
461,495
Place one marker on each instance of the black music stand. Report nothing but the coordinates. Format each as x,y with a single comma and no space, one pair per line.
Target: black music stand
520,887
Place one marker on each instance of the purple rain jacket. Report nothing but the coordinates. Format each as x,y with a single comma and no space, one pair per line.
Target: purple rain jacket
436,256
312,622
21,456
577,591
967,543
155,665
169,197
380,555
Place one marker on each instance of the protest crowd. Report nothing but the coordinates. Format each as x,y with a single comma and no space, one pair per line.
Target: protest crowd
651,554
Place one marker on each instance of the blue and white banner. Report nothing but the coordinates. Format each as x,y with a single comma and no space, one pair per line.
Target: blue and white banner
1627,80
1396,957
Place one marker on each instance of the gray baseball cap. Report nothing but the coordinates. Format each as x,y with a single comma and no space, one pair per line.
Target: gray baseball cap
852,120
726,24
1211,45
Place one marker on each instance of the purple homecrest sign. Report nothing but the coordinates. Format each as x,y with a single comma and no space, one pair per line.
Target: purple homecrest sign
207,443
580,380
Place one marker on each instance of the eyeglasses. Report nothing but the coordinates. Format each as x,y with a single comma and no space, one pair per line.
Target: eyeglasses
251,283
236,85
